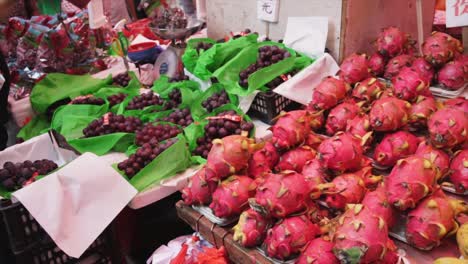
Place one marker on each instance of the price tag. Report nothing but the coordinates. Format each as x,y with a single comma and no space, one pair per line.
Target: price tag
457,13
268,10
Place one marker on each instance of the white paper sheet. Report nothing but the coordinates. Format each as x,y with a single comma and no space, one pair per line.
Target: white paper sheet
307,35
76,203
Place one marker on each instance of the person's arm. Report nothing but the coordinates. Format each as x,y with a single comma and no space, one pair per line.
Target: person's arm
132,9
80,3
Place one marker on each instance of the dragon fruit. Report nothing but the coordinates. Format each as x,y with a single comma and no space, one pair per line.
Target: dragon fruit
316,178
329,93
290,236
263,161
350,189
282,194
459,103
392,42
228,156
318,251
440,48
359,127
377,201
317,120
362,237
421,111
389,114
354,68
291,129
199,190
339,115
459,171
431,221
340,153
313,140
438,157
453,75
395,65
295,159
368,90
448,127
424,68
232,195
408,84
410,181
377,64
395,146
251,228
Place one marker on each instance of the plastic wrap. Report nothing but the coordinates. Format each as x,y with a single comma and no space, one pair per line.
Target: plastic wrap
28,45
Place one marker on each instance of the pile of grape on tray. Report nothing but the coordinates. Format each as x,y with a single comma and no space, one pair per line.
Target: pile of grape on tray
112,123
388,151
14,176
122,79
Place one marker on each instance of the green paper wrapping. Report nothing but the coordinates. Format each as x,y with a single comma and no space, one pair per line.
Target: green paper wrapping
57,86
108,91
191,55
163,87
37,126
198,111
100,145
220,54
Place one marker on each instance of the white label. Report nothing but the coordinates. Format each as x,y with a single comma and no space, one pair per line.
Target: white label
457,13
268,10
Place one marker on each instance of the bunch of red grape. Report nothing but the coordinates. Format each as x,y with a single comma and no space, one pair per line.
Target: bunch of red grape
160,132
203,46
181,117
122,79
215,101
281,79
144,100
267,56
143,156
175,98
116,99
89,100
179,78
111,123
14,176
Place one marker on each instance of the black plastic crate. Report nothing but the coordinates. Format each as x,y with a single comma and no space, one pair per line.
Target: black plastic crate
268,105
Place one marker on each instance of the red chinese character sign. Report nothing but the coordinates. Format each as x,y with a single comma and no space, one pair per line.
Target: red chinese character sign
457,13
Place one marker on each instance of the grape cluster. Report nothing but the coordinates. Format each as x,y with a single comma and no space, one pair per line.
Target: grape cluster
122,79
280,79
111,123
160,132
175,98
181,117
116,99
216,100
219,128
144,100
89,100
14,176
143,156
203,46
267,56
179,78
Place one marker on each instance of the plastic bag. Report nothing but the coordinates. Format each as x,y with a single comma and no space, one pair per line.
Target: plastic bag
191,54
28,45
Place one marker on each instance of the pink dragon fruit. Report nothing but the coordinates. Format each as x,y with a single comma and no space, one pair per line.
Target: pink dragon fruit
228,156
448,127
453,75
410,181
340,153
440,48
313,140
329,93
263,161
395,65
368,90
349,189
377,64
317,120
291,129
377,201
459,103
289,236
362,237
316,178
392,42
295,159
360,127
339,115
251,228
421,111
459,171
395,146
318,251
389,114
354,68
316,214
282,194
408,84
232,195
438,157
431,221
424,68
199,190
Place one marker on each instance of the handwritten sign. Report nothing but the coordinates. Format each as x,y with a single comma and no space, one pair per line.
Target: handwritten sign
457,13
268,10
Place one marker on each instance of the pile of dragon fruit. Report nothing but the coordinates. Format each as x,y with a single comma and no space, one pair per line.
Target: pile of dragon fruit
338,175
441,62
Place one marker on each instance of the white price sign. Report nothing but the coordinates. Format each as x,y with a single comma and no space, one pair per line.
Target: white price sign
268,10
457,13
